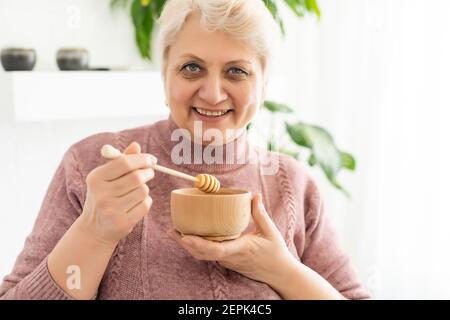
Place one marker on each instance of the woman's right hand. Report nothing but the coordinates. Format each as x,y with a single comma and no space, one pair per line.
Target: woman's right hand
117,195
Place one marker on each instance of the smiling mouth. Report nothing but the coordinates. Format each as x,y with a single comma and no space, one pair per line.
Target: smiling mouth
210,113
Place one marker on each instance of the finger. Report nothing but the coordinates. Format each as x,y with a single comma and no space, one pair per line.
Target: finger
261,218
178,238
174,235
210,250
130,181
126,163
133,148
140,211
131,199
185,243
109,152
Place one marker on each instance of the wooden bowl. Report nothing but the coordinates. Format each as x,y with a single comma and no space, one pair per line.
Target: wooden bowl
213,216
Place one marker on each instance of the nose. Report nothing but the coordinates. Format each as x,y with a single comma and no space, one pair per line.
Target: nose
212,90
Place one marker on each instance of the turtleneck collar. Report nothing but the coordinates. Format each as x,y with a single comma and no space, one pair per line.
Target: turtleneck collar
182,151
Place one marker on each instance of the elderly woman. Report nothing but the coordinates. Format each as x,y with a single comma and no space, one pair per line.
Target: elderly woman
104,229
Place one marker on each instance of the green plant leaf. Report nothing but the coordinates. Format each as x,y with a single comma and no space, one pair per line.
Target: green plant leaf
143,21
323,150
297,135
301,7
118,3
348,161
157,6
312,160
276,107
294,154
297,6
338,186
273,8
311,5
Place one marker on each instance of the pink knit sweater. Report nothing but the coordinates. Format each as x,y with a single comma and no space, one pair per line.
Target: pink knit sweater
147,264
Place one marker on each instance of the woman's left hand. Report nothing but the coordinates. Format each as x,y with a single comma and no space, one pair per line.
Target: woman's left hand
261,255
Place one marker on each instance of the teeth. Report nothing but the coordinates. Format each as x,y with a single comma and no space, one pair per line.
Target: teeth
211,113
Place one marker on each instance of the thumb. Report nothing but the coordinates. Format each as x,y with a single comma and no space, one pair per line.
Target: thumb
261,218
133,148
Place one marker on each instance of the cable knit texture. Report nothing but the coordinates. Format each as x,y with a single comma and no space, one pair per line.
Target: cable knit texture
147,264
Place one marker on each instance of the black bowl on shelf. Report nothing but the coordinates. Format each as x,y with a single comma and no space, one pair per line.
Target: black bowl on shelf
72,59
18,59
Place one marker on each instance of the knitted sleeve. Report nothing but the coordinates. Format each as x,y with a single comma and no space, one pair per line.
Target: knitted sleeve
315,239
30,278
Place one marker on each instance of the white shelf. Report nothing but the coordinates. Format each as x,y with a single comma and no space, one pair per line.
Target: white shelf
43,96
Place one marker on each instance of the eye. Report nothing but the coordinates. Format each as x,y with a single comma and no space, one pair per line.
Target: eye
191,68
235,71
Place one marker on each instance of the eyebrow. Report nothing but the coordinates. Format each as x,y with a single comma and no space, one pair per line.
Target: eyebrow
192,56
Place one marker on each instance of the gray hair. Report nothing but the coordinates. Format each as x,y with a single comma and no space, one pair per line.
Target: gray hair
248,21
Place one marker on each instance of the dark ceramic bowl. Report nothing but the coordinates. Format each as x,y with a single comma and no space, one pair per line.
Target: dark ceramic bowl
18,59
72,59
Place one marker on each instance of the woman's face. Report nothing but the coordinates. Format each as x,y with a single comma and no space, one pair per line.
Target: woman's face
212,78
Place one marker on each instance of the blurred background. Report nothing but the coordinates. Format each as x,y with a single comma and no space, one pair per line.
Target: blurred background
375,74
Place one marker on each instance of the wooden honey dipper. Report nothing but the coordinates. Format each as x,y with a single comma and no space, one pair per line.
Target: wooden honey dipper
204,182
